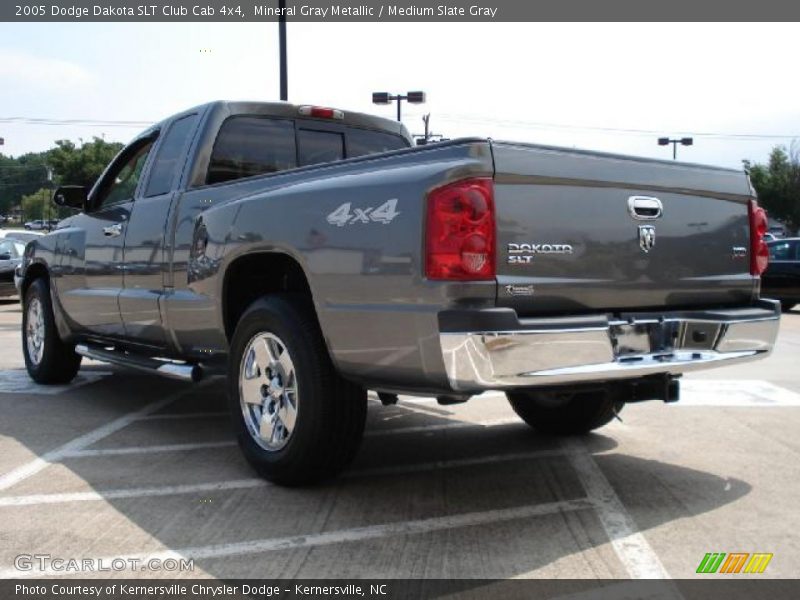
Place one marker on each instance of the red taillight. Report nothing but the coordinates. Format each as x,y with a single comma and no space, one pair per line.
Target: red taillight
759,252
459,235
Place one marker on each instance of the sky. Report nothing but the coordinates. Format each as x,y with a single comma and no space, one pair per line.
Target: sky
572,85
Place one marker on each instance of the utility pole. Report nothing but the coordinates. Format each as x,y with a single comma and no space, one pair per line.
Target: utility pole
45,220
665,141
282,44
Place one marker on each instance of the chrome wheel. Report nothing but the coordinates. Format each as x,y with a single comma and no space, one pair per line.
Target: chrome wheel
268,391
34,331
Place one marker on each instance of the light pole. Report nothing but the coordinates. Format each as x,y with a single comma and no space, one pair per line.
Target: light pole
665,141
386,98
282,48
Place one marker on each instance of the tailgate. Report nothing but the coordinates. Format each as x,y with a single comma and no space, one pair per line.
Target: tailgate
580,231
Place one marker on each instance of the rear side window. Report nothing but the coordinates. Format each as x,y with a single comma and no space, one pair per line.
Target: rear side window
363,141
319,146
248,146
170,155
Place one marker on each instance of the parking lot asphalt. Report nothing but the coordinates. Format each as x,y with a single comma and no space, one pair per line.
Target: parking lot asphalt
122,464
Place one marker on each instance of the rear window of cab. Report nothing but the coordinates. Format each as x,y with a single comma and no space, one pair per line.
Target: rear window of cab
249,145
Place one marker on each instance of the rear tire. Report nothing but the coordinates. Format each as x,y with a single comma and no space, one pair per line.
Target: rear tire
567,412
787,306
47,358
297,421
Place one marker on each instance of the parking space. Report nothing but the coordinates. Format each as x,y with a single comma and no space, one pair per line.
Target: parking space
128,465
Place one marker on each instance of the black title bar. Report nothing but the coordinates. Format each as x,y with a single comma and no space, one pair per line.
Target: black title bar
159,11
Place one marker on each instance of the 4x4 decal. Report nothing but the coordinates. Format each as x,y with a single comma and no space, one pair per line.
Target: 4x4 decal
385,214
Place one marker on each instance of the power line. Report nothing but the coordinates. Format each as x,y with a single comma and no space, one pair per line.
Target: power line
95,122
445,117
622,130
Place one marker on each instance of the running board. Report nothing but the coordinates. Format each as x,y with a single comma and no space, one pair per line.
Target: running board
175,370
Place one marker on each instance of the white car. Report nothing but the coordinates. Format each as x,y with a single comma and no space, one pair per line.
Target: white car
11,251
36,225
20,234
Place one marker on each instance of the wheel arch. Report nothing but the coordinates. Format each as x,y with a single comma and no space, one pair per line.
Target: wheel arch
256,274
34,271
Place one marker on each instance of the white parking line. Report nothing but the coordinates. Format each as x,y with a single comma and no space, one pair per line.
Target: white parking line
455,463
30,469
181,416
630,545
738,393
342,536
91,453
128,450
694,392
441,427
95,496
431,400
17,381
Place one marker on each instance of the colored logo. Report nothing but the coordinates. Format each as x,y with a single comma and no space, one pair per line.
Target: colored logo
734,562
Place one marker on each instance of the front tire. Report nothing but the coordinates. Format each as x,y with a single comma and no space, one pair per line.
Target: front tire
47,358
297,421
566,412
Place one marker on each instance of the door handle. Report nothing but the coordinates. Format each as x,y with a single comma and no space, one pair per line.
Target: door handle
645,208
112,230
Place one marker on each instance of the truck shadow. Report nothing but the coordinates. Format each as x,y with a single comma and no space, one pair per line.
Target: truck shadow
398,512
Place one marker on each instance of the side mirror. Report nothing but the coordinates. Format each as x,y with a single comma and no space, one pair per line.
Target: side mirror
5,256
71,196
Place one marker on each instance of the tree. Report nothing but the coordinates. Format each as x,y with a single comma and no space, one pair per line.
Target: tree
20,176
70,164
81,165
778,185
39,206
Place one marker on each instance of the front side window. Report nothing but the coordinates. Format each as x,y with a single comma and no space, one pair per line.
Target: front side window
124,181
248,146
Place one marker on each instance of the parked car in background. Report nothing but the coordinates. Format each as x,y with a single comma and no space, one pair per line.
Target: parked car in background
36,225
11,252
20,234
782,277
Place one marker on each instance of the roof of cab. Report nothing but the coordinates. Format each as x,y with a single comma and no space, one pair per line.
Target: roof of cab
289,110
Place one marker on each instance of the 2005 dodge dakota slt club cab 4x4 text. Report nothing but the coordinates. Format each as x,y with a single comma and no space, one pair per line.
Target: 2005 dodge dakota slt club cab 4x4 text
312,254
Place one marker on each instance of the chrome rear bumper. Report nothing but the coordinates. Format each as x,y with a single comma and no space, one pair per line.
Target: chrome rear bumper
600,348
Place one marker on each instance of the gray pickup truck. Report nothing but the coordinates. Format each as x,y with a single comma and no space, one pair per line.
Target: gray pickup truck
310,254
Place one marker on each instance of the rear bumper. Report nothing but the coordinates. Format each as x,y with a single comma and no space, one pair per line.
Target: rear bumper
540,352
